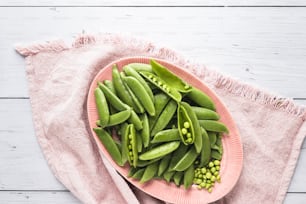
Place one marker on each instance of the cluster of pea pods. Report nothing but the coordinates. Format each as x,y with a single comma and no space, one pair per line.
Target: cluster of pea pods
162,127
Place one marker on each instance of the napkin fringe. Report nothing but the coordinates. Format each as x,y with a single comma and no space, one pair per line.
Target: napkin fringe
54,46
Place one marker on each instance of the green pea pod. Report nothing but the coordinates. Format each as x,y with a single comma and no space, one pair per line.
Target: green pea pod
196,126
185,125
134,119
177,155
164,117
159,151
137,105
216,155
215,126
162,85
205,113
114,100
177,177
145,132
129,71
187,160
171,79
201,98
141,67
124,142
120,88
138,174
109,145
141,93
217,148
189,176
119,117
166,136
163,165
131,172
139,141
168,175
149,172
102,107
212,138
160,101
109,84
206,151
143,163
131,145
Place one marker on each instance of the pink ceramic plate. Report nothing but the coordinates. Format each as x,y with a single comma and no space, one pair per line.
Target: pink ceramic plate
231,164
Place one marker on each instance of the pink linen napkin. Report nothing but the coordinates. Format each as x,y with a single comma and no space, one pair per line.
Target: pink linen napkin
272,129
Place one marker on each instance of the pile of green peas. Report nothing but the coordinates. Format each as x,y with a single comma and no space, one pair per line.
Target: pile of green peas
165,128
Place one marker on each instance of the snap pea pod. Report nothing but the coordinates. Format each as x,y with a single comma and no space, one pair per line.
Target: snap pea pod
187,160
166,136
124,142
120,106
109,84
196,126
201,98
145,132
206,151
138,174
129,71
143,163
109,145
177,155
160,101
188,176
212,138
177,177
216,155
141,67
131,145
163,165
165,117
172,80
185,126
137,105
162,85
159,151
149,172
118,118
139,141
168,175
141,94
102,107
215,126
205,113
131,172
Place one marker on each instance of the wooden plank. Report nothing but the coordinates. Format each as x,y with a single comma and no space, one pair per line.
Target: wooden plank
153,3
23,166
267,50
37,197
296,198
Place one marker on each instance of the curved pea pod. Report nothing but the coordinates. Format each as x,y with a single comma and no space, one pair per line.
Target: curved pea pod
160,101
165,117
120,88
149,172
177,155
145,132
102,107
206,151
216,155
124,142
215,126
113,99
189,176
139,141
109,84
119,117
212,138
138,174
187,160
134,119
201,98
141,67
185,126
131,172
141,93
163,165
168,175
166,136
159,151
109,145
177,177
197,134
171,79
162,85
205,113
131,145
137,105
129,71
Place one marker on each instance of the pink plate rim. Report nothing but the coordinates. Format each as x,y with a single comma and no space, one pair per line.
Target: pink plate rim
232,160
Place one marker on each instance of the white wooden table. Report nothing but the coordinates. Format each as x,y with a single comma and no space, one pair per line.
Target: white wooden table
257,41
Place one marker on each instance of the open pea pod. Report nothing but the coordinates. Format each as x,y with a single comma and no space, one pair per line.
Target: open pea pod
171,79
